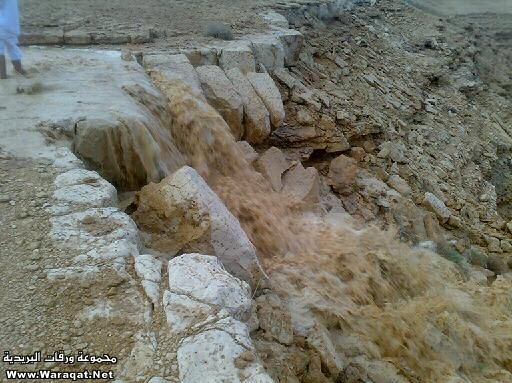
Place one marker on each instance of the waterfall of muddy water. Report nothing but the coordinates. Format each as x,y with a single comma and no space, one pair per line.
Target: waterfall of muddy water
410,308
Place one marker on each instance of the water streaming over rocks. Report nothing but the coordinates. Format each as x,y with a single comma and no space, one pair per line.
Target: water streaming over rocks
362,306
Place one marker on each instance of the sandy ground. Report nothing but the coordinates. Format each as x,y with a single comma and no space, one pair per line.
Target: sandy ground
464,7
175,22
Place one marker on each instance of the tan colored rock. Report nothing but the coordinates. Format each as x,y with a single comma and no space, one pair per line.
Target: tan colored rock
221,94
237,54
174,68
357,153
399,184
454,221
181,213
256,116
269,94
435,205
342,174
202,56
274,318
292,42
268,51
330,136
302,183
272,164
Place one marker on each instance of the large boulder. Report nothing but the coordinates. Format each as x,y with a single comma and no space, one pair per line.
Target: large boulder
199,288
292,42
183,214
237,54
174,68
268,51
221,94
256,116
269,94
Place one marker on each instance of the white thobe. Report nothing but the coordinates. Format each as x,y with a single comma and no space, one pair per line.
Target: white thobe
9,29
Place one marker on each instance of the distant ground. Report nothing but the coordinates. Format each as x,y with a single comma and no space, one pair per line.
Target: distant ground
176,21
464,7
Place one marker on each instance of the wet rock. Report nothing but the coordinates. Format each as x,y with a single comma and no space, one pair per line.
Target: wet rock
237,54
256,117
319,339
272,164
268,51
342,174
199,288
302,183
399,184
221,94
435,205
274,318
269,94
175,68
183,213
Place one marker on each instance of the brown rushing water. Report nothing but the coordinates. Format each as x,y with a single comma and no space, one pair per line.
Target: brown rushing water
408,307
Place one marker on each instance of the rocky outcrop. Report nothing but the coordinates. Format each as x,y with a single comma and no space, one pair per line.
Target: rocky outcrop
268,51
269,94
237,54
256,117
207,308
182,213
200,289
221,94
79,189
174,68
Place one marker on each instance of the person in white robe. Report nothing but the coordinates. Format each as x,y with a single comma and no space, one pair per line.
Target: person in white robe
9,34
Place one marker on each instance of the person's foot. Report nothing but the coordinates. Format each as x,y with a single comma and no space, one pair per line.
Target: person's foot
3,68
18,68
